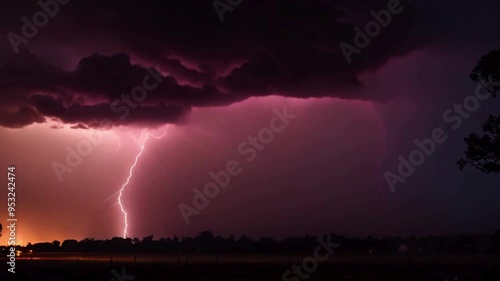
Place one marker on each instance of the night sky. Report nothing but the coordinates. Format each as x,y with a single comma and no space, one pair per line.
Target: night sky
220,82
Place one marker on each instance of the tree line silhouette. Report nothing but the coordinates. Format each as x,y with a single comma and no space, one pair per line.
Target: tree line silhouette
206,242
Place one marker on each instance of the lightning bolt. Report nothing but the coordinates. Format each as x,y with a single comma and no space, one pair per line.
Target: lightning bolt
122,189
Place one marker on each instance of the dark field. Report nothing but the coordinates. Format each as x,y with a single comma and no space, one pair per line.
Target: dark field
96,267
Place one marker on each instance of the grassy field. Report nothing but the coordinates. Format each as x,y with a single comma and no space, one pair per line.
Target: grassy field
94,267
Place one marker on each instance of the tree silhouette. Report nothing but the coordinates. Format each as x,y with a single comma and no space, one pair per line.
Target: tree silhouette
483,150
206,243
69,245
0,230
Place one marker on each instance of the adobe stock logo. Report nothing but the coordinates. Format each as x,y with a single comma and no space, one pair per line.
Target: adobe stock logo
221,7
251,147
39,19
84,148
121,277
454,116
310,264
372,29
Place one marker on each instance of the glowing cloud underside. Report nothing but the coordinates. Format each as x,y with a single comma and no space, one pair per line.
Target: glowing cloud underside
122,189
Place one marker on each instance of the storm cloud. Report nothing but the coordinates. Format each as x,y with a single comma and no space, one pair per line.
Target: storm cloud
90,53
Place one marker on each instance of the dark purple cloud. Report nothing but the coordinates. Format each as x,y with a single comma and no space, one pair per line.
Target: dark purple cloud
288,48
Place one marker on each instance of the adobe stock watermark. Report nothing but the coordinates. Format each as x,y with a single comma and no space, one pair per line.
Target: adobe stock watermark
425,148
49,8
222,7
74,156
310,264
372,29
249,148
121,277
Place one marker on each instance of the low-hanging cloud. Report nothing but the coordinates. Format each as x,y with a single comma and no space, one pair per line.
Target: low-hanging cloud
287,48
